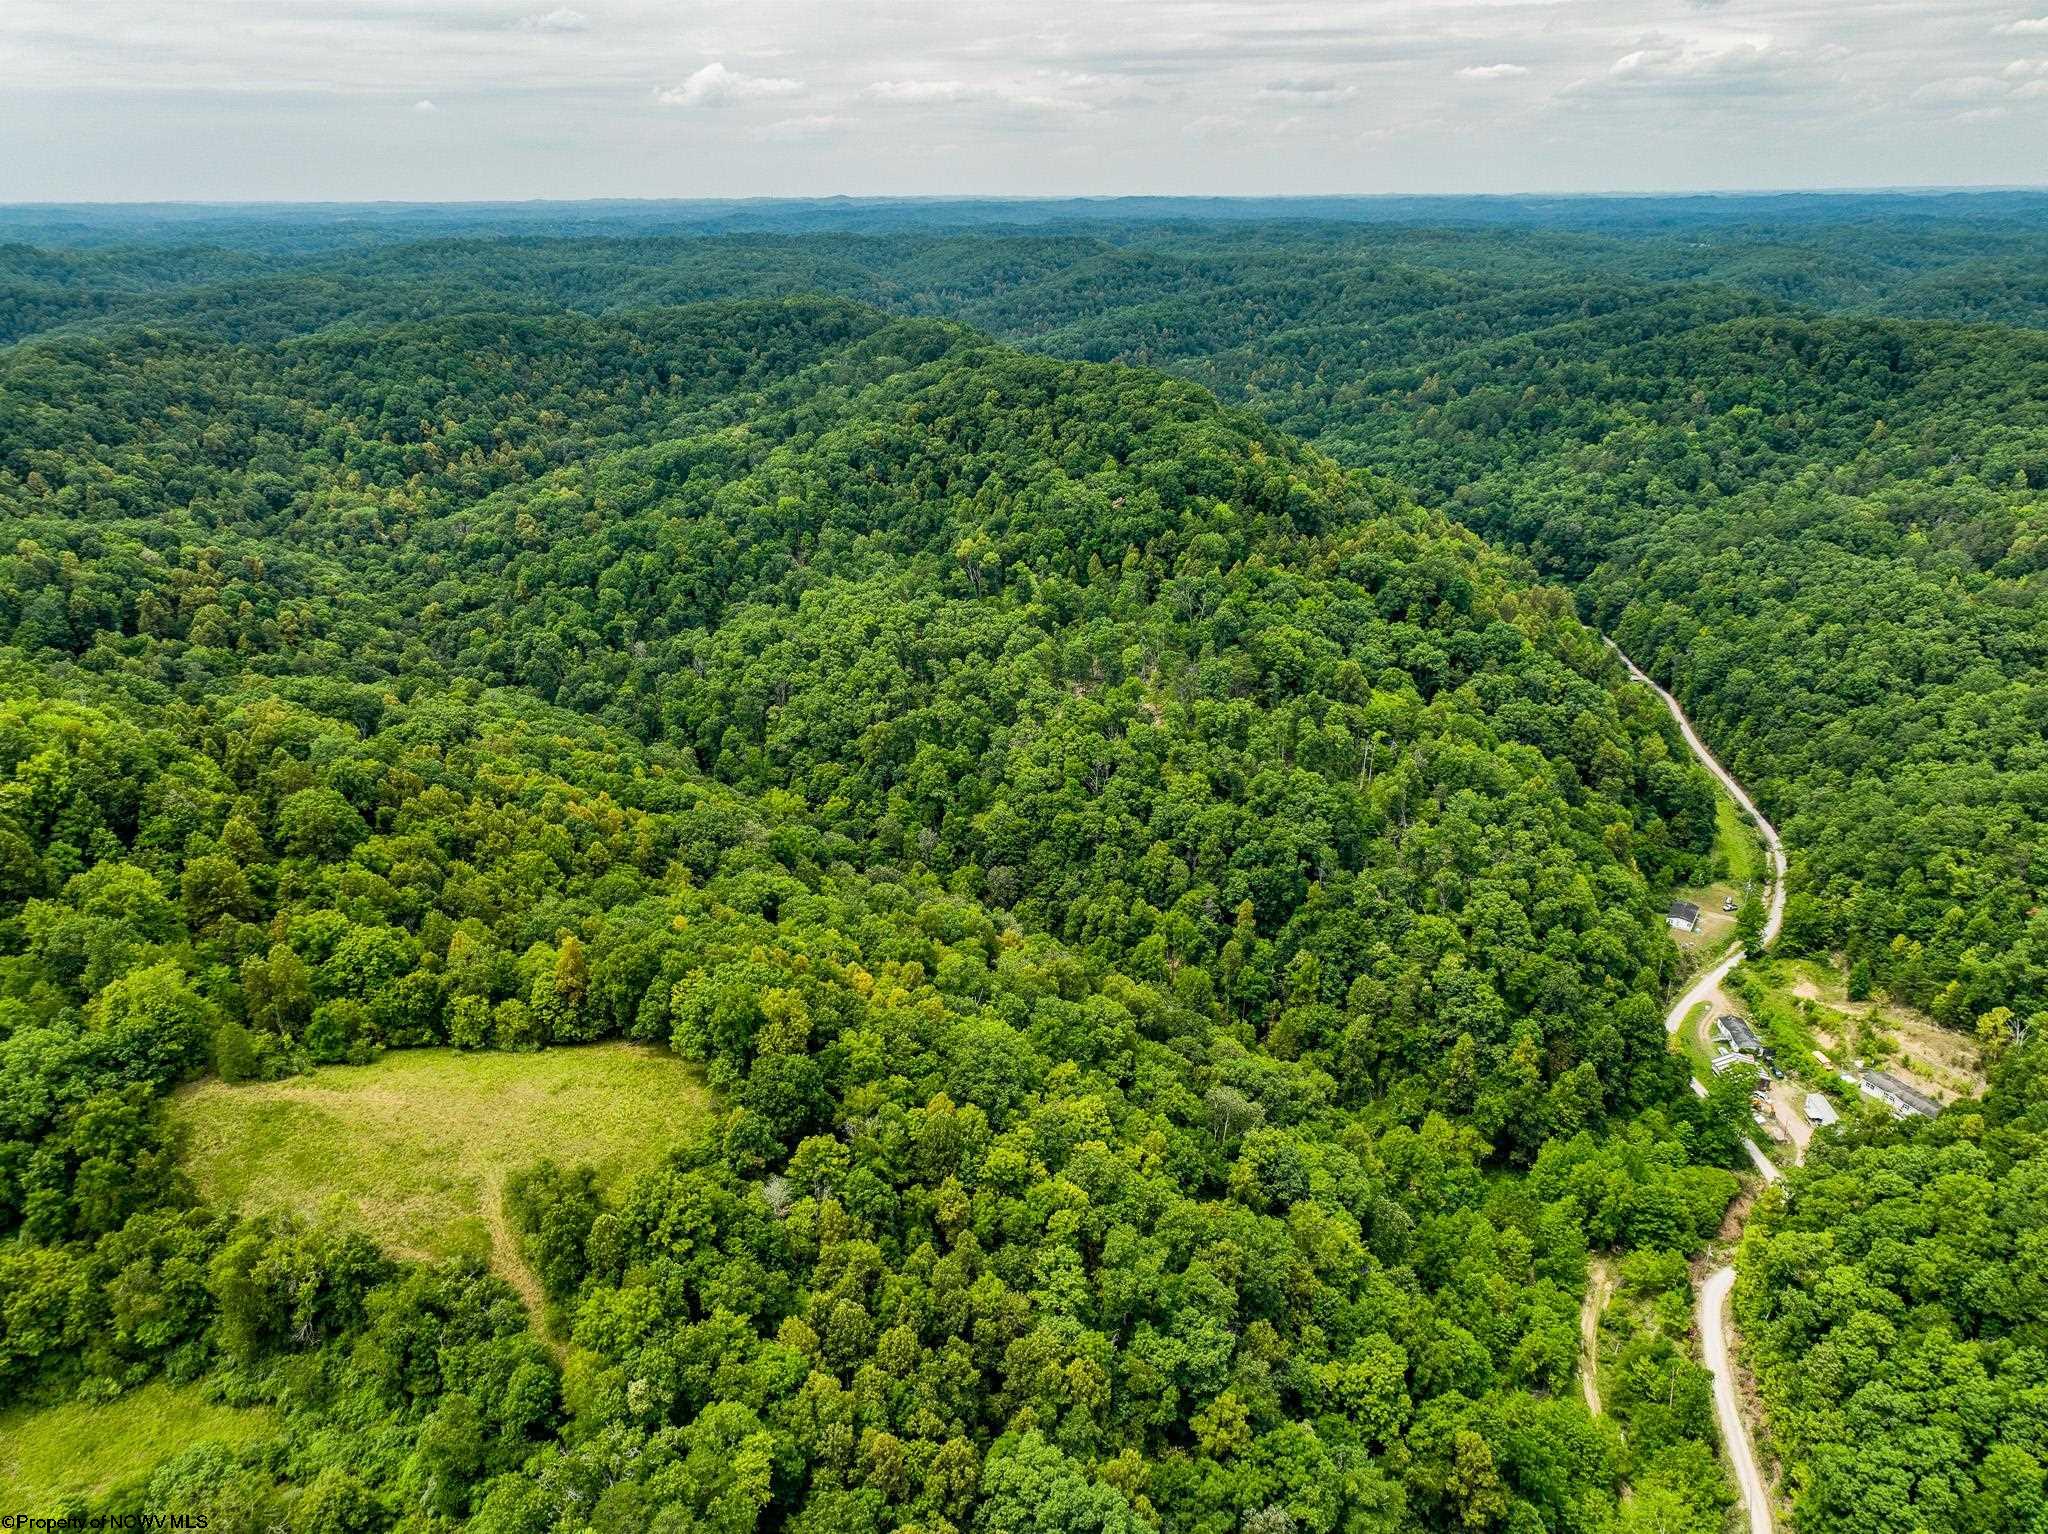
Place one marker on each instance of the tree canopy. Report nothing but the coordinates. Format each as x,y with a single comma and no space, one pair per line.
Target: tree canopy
1173,918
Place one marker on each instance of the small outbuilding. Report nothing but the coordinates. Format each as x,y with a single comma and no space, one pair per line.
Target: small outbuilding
1685,916
1819,1111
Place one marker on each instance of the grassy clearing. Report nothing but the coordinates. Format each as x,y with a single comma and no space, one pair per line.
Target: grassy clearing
51,1455
1738,870
414,1149
1737,847
1811,980
1716,936
1691,1045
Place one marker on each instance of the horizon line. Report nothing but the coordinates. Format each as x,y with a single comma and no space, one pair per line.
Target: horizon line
1832,190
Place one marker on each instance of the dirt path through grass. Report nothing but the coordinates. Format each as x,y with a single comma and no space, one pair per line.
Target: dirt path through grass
1599,1286
509,1263
415,1148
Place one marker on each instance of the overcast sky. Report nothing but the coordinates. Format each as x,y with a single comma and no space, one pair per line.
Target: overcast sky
434,99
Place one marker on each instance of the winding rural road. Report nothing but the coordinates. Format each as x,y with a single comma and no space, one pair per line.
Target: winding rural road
1756,1497
1714,1289
1774,914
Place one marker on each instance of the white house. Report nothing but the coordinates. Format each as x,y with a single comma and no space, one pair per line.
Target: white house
1904,1101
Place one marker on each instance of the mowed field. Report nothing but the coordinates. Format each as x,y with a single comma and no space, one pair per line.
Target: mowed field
50,1455
1739,869
414,1149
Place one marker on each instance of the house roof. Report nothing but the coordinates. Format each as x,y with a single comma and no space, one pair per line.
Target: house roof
1884,1084
1740,1034
1685,910
1819,1109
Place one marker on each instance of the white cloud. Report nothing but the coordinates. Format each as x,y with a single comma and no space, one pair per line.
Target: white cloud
1104,88
1691,59
1308,93
1706,69
716,86
1960,88
2021,80
1732,92
1263,129
425,108
816,125
1682,81
920,90
998,93
1214,125
562,20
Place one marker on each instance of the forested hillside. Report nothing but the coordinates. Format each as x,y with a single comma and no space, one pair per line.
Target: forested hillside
1172,920
1824,535
1897,1313
1174,929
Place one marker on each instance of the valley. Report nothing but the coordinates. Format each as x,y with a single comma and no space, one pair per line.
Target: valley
993,868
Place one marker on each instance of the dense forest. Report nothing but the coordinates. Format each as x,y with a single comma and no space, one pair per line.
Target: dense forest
1896,1307
1815,521
1167,895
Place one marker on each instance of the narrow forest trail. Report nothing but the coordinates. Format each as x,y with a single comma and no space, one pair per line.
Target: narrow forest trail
509,1263
1718,1283
1599,1285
